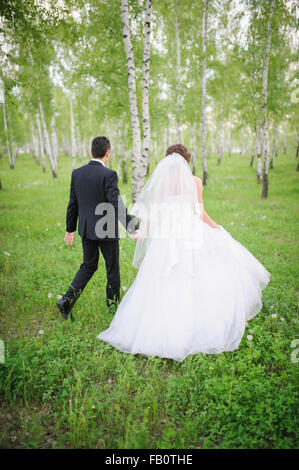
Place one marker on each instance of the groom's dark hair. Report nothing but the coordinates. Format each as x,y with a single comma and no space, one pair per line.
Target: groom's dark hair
99,146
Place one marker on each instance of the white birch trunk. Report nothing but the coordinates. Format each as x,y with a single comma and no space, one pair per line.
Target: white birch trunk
15,151
297,140
110,132
78,142
124,166
54,141
35,146
242,145
66,145
73,134
85,152
264,104
285,138
203,97
168,137
156,151
193,149
254,147
178,90
229,136
145,86
274,148
221,136
211,149
138,174
41,142
165,143
297,147
47,140
9,153
259,156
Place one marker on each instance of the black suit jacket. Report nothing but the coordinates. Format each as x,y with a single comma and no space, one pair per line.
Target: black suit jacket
91,185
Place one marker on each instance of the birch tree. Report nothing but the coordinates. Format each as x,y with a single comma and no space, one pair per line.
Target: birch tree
124,167
139,165
73,133
229,136
221,134
254,148
54,141
41,142
259,156
145,85
35,145
285,138
9,153
274,148
264,104
178,70
193,149
204,96
296,132
47,140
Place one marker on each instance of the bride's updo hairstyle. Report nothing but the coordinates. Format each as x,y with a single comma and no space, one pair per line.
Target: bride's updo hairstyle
181,149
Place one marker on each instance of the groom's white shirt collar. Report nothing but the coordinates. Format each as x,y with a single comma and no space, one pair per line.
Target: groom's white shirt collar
99,161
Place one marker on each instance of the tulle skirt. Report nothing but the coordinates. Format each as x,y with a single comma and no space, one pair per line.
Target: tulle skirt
200,306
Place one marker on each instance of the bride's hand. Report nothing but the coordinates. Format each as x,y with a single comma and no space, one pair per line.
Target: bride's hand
135,235
215,225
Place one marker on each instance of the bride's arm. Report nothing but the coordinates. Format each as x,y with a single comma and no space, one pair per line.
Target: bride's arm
206,217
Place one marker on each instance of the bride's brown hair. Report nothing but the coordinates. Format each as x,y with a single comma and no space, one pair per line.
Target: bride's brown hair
181,149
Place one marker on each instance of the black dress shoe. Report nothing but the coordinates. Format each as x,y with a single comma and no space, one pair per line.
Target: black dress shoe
65,307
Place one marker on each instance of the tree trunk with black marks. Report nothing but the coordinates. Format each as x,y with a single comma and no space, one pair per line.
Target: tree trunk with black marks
255,147
47,140
178,68
259,157
221,136
41,142
264,105
9,153
274,148
242,145
285,138
73,133
54,142
297,142
229,136
204,98
124,167
145,86
193,149
35,145
138,166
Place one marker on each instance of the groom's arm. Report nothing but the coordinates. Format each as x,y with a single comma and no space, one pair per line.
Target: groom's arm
72,209
113,196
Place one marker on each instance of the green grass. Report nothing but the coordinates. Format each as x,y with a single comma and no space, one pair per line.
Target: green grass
65,389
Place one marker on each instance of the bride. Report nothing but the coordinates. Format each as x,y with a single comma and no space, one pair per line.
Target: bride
196,286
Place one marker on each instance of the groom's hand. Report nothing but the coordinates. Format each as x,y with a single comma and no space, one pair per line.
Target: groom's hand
69,238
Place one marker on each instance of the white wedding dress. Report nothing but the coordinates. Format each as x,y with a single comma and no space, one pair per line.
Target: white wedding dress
195,289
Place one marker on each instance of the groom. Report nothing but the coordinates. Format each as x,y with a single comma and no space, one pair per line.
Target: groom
95,199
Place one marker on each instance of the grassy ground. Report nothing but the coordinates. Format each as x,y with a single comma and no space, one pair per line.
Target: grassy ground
63,388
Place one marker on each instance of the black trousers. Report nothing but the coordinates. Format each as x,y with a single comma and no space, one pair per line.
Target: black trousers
110,252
